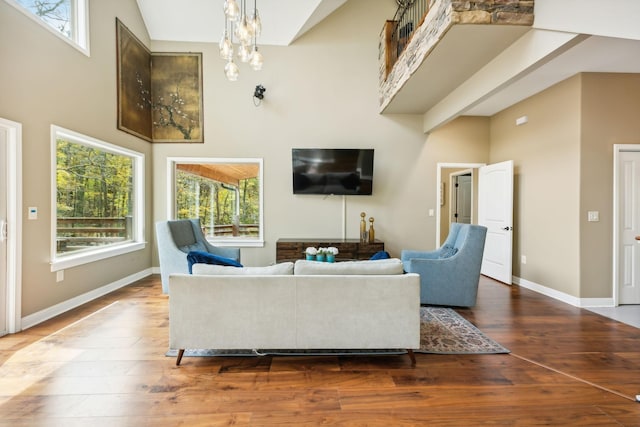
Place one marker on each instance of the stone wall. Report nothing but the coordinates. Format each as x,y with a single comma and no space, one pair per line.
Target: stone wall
442,15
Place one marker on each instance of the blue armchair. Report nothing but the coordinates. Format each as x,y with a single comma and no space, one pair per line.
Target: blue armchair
177,238
449,275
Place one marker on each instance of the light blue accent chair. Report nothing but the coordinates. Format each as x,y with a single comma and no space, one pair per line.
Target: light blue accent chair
175,239
449,276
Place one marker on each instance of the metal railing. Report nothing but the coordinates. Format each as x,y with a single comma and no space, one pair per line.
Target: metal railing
408,18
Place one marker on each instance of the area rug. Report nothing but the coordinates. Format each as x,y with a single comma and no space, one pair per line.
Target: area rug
442,331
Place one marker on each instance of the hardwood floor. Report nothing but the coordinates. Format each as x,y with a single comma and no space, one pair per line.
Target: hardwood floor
103,365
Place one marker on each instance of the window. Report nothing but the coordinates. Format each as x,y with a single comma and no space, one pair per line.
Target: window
226,194
68,19
97,199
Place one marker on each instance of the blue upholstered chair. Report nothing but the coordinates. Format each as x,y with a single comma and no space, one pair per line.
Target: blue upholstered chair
176,239
449,275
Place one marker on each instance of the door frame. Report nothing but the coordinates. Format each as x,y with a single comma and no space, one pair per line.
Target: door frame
617,149
13,275
439,167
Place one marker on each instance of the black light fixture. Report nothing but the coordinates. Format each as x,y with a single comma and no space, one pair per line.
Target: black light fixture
258,94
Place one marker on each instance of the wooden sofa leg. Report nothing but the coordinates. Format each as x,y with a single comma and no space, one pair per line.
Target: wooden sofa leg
180,354
412,357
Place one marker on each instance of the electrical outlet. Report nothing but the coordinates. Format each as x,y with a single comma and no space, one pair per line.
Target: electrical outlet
59,275
523,259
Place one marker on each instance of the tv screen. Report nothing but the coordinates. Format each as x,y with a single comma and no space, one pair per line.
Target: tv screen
332,171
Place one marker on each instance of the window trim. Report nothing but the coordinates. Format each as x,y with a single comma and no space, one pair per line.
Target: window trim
171,195
103,252
80,33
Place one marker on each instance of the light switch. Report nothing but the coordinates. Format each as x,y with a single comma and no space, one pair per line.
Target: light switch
593,216
33,213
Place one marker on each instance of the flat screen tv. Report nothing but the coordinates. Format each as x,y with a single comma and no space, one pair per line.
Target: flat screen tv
340,171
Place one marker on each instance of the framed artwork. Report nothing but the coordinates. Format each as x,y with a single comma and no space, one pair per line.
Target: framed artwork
159,94
134,84
176,105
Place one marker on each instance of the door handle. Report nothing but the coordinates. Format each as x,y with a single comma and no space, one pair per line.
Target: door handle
3,230
507,228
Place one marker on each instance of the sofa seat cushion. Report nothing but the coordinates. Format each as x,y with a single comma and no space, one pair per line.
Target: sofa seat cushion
377,267
282,269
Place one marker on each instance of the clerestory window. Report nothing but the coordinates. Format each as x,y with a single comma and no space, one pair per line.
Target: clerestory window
67,19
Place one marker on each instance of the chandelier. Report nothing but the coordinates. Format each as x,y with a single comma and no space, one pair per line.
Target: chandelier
243,29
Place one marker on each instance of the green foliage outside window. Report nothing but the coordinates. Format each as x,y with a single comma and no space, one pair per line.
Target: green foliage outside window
217,204
94,197
91,182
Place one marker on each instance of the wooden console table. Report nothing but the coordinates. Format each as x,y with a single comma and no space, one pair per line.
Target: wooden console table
291,249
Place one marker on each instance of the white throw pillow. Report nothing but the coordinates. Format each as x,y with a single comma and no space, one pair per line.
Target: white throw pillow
381,266
282,269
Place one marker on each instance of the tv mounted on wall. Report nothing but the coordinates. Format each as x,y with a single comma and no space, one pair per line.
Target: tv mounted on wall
340,171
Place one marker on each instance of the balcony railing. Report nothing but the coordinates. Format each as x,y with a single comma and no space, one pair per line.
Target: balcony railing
398,32
81,232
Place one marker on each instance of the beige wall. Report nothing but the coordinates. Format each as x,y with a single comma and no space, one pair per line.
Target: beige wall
546,155
45,81
564,168
320,92
610,110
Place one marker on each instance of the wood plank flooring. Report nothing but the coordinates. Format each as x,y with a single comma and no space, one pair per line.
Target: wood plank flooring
103,364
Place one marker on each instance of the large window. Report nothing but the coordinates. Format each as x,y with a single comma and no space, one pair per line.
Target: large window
97,200
225,194
68,19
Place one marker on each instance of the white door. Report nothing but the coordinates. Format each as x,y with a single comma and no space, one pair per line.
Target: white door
495,211
629,221
3,232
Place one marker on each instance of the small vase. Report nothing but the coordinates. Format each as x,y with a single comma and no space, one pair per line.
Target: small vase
320,257
331,258
310,257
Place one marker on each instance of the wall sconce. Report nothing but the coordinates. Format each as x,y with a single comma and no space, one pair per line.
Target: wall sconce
258,94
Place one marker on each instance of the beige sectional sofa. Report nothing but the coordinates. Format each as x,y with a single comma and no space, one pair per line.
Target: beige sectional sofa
309,305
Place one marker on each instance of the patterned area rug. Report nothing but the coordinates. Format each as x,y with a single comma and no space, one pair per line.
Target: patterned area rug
442,331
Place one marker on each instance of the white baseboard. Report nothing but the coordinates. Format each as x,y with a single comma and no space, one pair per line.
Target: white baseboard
561,296
53,311
155,270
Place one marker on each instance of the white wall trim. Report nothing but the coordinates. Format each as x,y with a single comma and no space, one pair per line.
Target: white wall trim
561,296
14,223
48,313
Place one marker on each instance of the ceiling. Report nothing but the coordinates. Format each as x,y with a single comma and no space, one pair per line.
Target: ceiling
203,20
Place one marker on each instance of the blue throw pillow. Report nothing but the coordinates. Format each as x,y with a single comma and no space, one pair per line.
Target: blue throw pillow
447,251
201,257
380,255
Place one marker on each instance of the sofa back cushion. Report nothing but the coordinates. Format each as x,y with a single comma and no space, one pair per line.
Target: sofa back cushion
282,269
377,267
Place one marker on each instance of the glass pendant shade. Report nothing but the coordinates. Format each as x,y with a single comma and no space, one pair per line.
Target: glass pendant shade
232,71
226,47
255,23
232,10
256,60
243,31
244,53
